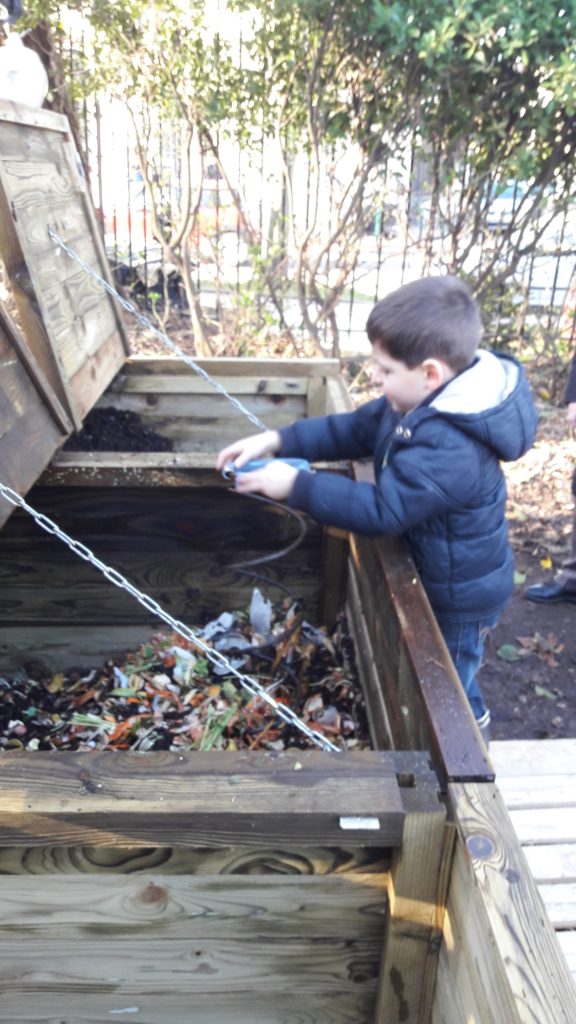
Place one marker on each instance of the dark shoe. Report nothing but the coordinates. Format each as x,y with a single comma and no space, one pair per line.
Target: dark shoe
549,593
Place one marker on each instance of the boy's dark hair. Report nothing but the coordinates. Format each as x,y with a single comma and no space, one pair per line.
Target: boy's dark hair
434,318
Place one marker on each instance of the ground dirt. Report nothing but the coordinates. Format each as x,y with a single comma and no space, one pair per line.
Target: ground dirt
529,674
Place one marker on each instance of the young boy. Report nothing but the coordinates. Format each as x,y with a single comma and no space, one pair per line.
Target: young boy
449,413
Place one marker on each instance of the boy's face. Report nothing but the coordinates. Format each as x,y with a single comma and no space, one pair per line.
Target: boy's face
404,388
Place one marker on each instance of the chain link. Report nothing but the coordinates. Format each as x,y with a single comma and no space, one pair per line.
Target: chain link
166,341
218,659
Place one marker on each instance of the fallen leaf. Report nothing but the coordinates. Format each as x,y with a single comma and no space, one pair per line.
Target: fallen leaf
546,562
508,652
541,691
56,683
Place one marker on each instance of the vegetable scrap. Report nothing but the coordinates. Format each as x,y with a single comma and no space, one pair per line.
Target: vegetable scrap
168,695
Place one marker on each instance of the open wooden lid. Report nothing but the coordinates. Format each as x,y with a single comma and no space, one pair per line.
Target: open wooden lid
73,341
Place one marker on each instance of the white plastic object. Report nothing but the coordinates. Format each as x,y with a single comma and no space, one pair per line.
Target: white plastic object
23,77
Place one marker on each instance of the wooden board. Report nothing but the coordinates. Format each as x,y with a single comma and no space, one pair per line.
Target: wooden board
73,331
500,959
32,420
537,779
193,798
178,546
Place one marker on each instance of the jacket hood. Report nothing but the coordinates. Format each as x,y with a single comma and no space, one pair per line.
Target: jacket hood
491,402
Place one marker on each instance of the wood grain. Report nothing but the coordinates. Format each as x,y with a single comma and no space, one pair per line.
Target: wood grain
493,894
164,798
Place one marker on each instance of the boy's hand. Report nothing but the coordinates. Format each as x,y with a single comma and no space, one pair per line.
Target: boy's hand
275,480
249,448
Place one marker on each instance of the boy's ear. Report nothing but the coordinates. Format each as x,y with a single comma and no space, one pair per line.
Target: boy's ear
436,373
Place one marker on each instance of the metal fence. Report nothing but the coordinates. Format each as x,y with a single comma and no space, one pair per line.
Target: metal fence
537,302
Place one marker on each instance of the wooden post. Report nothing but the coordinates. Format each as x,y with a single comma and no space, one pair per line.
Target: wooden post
417,893
500,960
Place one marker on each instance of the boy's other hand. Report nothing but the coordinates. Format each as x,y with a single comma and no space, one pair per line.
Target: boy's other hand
275,480
249,448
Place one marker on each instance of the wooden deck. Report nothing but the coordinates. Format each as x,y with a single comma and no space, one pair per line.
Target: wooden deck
537,779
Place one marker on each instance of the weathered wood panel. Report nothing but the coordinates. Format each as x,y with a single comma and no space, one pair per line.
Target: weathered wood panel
252,368
426,707
143,967
419,877
30,427
82,1006
200,422
71,324
497,938
295,861
179,547
169,799
198,907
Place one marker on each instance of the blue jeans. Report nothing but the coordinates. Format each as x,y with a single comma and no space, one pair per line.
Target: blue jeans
465,642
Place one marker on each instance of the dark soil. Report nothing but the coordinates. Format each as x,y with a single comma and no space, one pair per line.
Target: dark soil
115,430
529,674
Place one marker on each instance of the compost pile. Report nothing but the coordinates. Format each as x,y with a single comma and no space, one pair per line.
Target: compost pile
169,695
115,430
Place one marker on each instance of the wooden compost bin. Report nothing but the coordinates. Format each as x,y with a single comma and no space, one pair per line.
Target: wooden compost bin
238,888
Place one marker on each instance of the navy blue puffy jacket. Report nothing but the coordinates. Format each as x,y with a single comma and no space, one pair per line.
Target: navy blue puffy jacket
439,482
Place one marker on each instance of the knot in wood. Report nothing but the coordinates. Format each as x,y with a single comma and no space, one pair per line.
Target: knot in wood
153,894
480,846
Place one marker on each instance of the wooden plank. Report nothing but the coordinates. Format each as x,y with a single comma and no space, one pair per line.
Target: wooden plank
539,757
418,884
552,863
334,573
369,670
533,791
522,967
560,903
278,862
426,705
182,799
29,311
337,398
191,383
79,1004
196,422
78,321
545,825
460,993
36,117
245,367
197,908
29,429
177,547
316,404
133,469
73,327
567,942
9,330
144,967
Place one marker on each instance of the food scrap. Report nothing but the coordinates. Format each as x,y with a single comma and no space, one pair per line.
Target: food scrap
168,695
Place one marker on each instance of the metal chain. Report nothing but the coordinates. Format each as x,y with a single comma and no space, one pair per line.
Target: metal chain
166,341
249,684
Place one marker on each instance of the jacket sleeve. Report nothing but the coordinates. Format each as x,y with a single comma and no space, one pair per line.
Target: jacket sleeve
418,483
341,436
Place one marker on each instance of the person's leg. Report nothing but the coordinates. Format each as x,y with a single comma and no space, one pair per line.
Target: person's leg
563,586
465,642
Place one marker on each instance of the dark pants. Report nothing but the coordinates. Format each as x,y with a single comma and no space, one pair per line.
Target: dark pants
465,642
